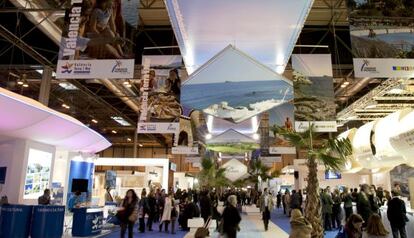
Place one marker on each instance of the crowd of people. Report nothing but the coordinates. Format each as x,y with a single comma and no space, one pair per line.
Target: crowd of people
167,208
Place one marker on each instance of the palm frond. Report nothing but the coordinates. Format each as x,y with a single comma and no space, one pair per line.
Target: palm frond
331,162
296,139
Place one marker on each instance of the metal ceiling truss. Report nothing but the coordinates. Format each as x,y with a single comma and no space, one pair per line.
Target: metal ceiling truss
369,99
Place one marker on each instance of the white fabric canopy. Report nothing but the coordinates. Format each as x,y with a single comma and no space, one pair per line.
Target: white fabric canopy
265,29
25,118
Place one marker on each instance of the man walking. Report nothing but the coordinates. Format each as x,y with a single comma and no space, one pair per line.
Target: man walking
396,214
266,206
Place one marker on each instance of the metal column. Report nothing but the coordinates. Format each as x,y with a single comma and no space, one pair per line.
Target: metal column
45,85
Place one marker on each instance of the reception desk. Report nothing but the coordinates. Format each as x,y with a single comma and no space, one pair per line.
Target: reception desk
87,221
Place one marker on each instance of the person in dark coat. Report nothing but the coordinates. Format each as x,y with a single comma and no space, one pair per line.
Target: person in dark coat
397,216
152,203
327,204
143,208
278,199
205,205
295,200
231,218
129,205
190,211
363,204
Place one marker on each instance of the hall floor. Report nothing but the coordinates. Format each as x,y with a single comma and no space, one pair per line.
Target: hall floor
251,226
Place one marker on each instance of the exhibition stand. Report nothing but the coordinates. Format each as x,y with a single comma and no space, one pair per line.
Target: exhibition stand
38,221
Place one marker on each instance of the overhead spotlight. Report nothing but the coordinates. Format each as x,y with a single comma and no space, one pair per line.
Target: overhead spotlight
208,136
129,139
127,84
343,85
25,85
256,136
94,121
114,131
346,83
140,145
63,105
19,82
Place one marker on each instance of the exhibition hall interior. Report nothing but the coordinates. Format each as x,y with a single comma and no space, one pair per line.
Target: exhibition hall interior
207,118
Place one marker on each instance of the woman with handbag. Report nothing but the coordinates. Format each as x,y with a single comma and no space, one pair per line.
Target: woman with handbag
128,214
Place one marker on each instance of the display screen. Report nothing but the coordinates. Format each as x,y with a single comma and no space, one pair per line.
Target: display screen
332,175
80,185
3,171
37,173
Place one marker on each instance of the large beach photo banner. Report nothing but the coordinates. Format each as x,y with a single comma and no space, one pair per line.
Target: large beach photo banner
97,41
160,90
382,38
232,142
235,87
314,94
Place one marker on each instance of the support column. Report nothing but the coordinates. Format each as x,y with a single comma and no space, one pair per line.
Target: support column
135,155
45,85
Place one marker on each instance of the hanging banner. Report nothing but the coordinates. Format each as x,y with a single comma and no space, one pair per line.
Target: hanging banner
382,38
184,150
269,160
160,95
314,94
96,42
193,159
374,67
158,128
280,116
282,150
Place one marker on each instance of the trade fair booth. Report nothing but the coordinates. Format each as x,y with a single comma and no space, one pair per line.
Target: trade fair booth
39,152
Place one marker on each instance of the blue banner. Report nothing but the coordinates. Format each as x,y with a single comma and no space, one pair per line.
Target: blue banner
48,221
15,221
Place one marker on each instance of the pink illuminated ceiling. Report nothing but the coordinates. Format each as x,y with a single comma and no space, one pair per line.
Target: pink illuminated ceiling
25,118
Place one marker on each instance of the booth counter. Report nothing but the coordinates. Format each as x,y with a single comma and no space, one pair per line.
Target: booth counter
87,221
38,221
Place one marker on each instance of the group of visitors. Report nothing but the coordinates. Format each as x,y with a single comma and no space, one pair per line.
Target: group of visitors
165,209
365,220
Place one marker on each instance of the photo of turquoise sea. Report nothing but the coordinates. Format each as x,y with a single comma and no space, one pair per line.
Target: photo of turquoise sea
235,94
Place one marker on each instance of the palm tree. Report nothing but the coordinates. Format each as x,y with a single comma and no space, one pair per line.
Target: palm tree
211,176
330,152
258,169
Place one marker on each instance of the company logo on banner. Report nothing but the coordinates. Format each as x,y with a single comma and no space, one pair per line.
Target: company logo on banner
74,69
386,68
100,53
159,127
282,150
184,150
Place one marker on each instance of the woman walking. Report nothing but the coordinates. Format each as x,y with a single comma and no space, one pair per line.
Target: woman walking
128,214
166,214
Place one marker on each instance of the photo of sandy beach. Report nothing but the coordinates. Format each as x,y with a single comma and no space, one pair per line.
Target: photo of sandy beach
381,29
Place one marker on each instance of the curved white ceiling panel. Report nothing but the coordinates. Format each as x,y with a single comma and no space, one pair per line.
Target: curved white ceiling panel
25,118
265,29
362,145
403,142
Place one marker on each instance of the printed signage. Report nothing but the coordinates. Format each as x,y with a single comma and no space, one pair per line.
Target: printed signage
193,159
382,38
235,170
184,150
282,150
269,160
95,42
403,68
318,126
160,127
75,69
